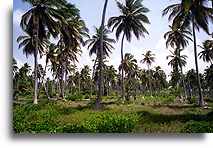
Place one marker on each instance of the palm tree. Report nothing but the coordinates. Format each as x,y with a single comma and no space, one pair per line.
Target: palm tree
207,53
130,67
42,17
160,78
129,63
177,60
148,59
177,37
94,45
196,13
27,43
131,21
98,100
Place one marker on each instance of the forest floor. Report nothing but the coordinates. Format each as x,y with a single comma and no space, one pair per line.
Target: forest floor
79,116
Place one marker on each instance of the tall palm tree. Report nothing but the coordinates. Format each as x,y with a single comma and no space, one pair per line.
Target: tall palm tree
130,22
41,17
207,53
129,64
177,62
193,12
130,67
177,37
98,100
149,58
94,45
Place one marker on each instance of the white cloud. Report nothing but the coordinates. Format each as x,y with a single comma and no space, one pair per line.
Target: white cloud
17,16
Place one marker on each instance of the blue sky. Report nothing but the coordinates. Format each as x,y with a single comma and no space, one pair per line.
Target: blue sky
91,11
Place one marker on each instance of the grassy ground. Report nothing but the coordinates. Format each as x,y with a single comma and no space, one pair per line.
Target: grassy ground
132,117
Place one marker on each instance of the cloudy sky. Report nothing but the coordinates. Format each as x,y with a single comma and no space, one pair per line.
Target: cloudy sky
91,11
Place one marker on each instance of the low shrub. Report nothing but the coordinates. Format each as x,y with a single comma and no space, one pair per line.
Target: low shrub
103,122
75,97
198,127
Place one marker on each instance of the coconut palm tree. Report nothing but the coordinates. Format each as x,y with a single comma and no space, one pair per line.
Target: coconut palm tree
130,67
207,53
42,17
177,37
148,59
98,100
130,22
177,62
129,64
198,14
94,45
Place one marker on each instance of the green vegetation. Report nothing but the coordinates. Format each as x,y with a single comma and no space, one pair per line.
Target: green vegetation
61,98
79,117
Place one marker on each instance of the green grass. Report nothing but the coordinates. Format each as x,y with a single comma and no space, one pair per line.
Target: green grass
134,117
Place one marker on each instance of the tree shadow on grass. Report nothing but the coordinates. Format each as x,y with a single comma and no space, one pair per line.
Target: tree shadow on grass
163,118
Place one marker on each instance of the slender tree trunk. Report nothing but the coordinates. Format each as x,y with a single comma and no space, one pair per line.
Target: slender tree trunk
35,38
149,80
62,82
79,85
43,83
200,100
183,83
100,91
65,81
122,69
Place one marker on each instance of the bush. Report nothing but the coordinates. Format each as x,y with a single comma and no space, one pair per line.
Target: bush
74,97
104,122
33,119
198,127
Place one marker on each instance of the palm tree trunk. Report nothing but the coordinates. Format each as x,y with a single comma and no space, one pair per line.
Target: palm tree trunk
200,99
65,81
149,80
43,83
100,91
35,35
122,69
183,81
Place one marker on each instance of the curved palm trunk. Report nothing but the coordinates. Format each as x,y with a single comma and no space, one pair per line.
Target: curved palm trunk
100,87
200,99
35,37
122,69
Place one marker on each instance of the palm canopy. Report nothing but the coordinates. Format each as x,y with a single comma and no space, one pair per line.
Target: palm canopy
148,58
188,11
177,37
132,19
72,32
47,14
207,53
94,43
129,63
177,60
26,42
